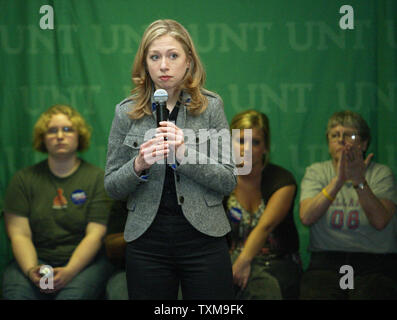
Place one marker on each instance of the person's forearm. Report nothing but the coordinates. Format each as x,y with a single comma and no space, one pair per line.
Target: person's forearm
120,182
84,253
24,253
376,212
314,209
254,243
115,245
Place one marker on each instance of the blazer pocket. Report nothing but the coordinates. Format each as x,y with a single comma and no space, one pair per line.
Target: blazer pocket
133,141
212,199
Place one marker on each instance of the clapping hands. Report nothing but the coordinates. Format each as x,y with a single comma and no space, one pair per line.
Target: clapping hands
352,165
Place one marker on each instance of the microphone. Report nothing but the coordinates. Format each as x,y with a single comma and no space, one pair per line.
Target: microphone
160,98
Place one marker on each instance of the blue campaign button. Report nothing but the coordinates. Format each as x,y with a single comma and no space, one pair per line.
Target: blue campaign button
79,196
235,214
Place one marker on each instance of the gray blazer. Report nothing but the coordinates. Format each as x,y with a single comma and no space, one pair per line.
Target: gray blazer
200,187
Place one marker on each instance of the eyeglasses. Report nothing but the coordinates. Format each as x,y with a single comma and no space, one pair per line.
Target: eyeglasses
54,130
349,137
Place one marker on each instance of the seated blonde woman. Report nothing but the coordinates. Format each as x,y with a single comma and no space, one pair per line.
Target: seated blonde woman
56,213
264,239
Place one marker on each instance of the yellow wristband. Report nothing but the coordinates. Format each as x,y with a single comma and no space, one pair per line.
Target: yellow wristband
325,193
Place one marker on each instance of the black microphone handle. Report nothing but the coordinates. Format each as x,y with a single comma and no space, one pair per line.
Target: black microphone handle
162,112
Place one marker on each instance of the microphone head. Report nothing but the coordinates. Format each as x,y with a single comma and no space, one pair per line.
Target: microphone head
160,95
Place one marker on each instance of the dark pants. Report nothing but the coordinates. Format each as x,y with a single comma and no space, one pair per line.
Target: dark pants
375,276
172,253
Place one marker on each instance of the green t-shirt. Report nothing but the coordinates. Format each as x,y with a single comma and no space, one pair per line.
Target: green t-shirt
58,209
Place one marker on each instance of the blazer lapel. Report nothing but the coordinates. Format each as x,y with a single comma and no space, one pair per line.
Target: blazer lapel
182,114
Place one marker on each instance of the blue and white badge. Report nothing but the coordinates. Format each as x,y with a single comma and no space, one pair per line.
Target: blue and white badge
235,214
79,196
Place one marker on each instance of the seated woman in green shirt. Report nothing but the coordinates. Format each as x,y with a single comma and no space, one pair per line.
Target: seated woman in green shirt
56,213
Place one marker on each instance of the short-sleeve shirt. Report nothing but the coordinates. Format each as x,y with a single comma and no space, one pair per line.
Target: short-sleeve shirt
284,238
58,209
345,227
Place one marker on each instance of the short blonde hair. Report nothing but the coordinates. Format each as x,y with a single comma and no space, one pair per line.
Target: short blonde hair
78,123
194,79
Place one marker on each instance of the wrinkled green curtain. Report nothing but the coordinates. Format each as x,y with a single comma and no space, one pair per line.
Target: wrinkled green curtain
289,59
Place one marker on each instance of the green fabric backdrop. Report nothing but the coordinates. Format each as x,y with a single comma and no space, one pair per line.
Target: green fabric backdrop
289,59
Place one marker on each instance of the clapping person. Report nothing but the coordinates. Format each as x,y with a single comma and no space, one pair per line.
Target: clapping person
349,203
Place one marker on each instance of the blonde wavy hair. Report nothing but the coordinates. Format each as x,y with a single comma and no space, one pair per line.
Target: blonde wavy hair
78,123
194,79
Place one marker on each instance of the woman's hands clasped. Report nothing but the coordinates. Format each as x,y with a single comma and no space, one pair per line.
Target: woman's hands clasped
169,140
61,276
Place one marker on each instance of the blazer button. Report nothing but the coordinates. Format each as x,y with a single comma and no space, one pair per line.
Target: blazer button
181,199
178,178
135,144
197,140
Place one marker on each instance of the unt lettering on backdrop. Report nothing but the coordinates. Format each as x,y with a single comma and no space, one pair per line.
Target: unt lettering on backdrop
297,61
